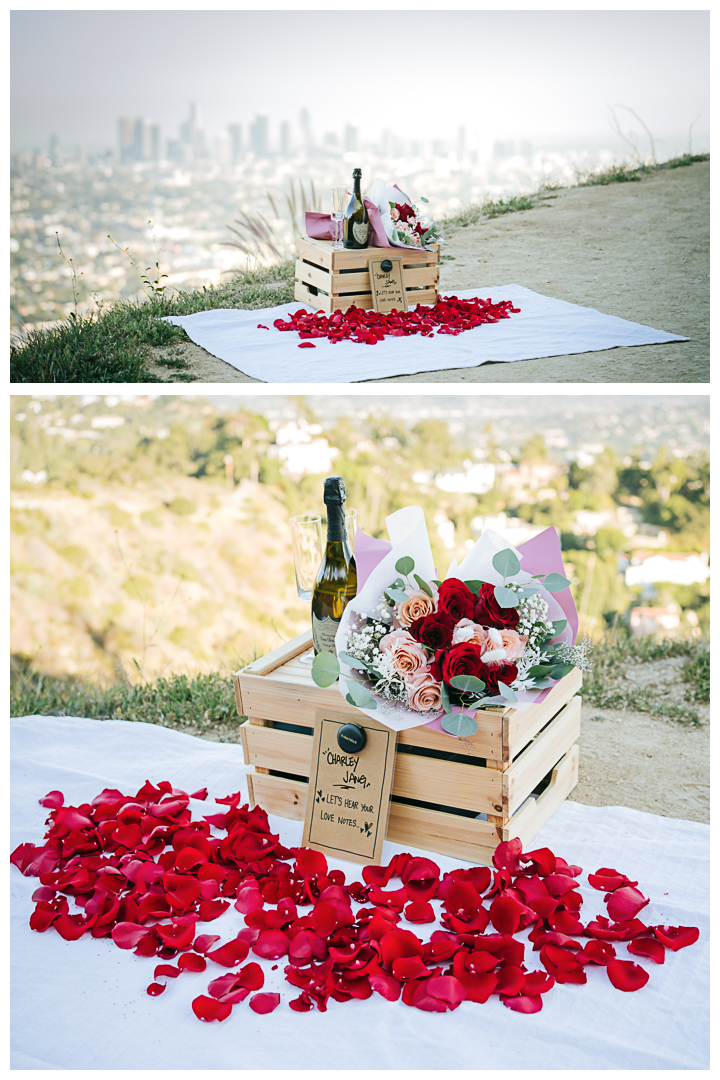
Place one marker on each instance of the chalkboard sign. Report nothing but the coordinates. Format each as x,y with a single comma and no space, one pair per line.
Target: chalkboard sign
387,284
349,789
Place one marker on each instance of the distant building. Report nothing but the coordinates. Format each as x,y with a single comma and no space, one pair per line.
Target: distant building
350,141
301,451
126,138
259,137
306,129
668,567
649,620
156,153
236,146
285,140
514,530
475,479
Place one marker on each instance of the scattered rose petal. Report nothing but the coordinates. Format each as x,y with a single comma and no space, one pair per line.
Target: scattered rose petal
624,975
264,1003
625,903
207,1009
647,946
676,937
155,989
524,1003
53,799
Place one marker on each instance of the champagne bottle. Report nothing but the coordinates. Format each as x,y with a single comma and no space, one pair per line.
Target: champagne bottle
357,225
336,580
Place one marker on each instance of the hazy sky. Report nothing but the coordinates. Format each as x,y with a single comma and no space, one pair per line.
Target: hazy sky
544,76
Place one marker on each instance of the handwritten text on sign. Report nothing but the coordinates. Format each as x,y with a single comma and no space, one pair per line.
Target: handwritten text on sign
387,284
349,794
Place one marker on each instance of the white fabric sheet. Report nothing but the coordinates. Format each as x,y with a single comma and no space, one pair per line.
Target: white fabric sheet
544,327
82,1005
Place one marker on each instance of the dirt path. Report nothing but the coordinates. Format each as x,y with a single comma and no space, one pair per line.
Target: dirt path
636,250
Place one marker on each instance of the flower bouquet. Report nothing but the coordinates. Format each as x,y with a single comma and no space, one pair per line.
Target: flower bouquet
413,650
404,224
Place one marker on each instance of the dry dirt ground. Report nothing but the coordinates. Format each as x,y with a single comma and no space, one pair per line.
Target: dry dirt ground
637,250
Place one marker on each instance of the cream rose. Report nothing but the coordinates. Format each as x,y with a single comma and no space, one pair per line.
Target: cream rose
407,653
467,630
417,605
423,692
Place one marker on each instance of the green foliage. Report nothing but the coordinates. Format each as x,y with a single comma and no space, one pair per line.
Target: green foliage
696,673
623,174
113,344
204,703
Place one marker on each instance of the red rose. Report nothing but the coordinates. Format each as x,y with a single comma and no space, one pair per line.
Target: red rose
463,659
489,613
456,600
433,630
491,676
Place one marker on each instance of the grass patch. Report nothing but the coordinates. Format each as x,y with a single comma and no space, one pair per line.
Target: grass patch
607,687
112,345
615,174
200,704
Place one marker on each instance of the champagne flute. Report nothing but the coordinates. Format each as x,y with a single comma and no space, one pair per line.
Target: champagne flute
338,196
307,545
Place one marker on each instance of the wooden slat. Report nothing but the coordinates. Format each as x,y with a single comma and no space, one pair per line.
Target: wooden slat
285,751
448,783
342,303
540,757
520,727
536,812
243,740
314,300
433,830
359,281
272,660
470,787
313,275
316,251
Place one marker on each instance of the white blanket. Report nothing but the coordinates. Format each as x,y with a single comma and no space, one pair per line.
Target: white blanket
82,1005
544,327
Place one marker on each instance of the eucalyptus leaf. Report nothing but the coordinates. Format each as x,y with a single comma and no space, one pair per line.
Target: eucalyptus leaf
559,671
467,684
505,691
352,661
459,724
559,626
542,684
506,563
556,583
445,698
325,669
397,595
506,598
528,590
539,671
405,566
423,584
361,697
474,586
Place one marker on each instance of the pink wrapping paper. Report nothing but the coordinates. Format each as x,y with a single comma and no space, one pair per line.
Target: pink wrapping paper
319,226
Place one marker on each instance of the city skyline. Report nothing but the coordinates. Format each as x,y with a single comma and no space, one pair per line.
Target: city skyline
548,78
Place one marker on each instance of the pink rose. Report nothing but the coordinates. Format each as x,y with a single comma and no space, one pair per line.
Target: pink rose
503,646
417,605
423,692
467,630
407,653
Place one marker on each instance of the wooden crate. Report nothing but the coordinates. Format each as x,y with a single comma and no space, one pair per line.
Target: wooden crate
334,279
516,769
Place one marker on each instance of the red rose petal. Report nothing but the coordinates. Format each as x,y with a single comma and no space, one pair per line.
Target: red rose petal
505,914
306,345
385,985
127,935
264,1003
207,1009
271,944
212,909
155,989
624,975
231,954
53,799
524,1003
625,903
646,946
192,962
676,937
419,911
607,880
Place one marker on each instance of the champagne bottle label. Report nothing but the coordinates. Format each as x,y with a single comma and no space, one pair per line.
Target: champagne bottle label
324,631
360,232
